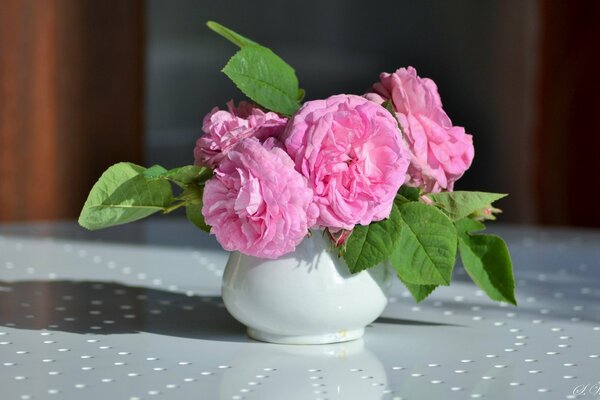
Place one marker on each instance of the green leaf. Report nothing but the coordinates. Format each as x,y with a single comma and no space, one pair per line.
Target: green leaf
419,292
371,244
188,174
260,74
192,194
468,225
459,204
410,193
265,78
301,94
123,194
154,172
426,253
230,35
388,105
193,212
182,176
487,261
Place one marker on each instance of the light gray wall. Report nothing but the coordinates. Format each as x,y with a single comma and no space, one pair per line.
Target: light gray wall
480,53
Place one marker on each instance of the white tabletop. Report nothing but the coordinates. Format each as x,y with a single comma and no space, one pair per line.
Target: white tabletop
134,313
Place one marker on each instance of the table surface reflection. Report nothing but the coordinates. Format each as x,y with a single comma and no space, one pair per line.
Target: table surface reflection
134,313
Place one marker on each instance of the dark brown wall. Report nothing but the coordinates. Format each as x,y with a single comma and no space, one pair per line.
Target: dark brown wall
568,132
70,100
71,75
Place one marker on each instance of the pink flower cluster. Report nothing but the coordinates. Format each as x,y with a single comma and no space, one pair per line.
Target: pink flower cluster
335,163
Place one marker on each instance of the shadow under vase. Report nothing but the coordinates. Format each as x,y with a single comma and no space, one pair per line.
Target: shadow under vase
93,307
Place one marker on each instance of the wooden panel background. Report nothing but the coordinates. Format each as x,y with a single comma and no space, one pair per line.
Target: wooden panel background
568,133
71,75
71,104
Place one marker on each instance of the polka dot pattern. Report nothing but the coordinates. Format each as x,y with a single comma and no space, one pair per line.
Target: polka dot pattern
82,317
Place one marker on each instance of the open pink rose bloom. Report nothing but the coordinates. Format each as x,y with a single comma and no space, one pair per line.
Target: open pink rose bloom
440,152
223,129
353,156
257,203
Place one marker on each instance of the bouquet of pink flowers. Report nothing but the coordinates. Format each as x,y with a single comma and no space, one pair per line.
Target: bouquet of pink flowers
374,172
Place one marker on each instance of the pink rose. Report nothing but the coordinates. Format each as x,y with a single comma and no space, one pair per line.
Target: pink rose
257,203
223,129
441,153
351,151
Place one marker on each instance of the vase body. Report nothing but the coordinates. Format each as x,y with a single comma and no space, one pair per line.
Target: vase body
305,297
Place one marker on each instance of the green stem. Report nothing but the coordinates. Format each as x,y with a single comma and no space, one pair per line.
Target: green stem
173,207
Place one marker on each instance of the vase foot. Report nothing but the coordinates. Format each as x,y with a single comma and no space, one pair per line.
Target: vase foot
325,338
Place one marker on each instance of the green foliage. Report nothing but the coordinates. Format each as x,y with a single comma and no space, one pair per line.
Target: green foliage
426,252
487,261
459,204
154,172
265,78
230,35
301,94
122,195
182,176
419,292
388,105
409,193
193,212
188,174
261,74
127,192
192,196
372,244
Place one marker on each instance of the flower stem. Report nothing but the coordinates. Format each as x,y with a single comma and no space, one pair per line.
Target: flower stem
173,207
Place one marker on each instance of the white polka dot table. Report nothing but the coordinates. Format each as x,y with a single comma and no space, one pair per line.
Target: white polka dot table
134,313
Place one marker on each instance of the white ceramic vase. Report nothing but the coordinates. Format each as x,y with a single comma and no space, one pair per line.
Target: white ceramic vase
305,297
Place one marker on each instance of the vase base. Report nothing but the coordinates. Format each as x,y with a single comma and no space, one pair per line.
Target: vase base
325,338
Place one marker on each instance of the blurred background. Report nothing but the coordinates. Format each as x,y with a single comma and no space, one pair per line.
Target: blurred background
87,83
